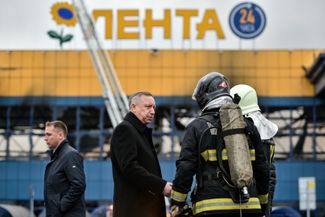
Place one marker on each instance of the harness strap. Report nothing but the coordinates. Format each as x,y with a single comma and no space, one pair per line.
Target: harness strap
221,174
233,131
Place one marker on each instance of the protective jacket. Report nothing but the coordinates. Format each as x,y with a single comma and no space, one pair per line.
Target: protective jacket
269,146
267,130
199,156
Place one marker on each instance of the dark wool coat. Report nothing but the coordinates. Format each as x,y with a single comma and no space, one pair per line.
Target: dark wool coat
138,186
64,183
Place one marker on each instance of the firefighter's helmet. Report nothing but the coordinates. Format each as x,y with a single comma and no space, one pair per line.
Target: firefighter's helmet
248,98
209,87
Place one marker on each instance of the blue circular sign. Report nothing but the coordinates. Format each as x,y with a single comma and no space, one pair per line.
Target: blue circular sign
247,20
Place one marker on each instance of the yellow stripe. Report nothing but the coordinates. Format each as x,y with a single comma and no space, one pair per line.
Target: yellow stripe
272,151
263,198
224,204
224,154
211,154
252,153
177,196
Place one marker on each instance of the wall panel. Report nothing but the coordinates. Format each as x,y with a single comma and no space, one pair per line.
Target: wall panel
275,73
17,178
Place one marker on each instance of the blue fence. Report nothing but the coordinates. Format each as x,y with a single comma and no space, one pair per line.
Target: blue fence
19,178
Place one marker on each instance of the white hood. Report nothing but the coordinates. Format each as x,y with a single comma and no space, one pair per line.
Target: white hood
266,128
218,102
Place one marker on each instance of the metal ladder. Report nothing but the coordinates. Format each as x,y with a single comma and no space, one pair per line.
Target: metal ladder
114,96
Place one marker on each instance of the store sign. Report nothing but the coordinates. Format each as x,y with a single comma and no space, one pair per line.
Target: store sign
164,24
129,22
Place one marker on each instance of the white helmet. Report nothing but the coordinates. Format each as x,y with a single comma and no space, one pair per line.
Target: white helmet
250,108
248,98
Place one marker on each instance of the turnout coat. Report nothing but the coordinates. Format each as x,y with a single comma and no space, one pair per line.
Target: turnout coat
199,156
64,183
138,186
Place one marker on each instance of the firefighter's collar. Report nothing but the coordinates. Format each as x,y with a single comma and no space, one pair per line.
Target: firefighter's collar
266,128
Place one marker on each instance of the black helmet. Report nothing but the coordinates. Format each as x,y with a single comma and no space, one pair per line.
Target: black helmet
209,87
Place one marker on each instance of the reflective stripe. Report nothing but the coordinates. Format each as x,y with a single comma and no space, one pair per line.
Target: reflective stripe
211,154
252,153
264,199
224,204
272,151
224,154
177,196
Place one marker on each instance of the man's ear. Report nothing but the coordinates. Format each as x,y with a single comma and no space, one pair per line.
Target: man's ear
61,134
132,107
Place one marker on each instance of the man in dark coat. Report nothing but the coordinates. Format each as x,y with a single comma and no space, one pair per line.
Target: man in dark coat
64,180
139,189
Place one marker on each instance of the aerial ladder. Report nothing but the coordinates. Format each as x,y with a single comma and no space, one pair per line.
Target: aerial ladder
114,96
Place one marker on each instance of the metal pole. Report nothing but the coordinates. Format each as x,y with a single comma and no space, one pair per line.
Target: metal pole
314,131
290,135
114,97
30,136
101,132
172,133
307,199
31,201
8,133
78,128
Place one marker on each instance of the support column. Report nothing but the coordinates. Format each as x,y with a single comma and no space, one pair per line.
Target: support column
77,133
101,133
172,132
8,133
30,135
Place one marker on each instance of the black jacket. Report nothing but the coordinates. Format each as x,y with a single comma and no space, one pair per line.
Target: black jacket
211,196
138,186
269,146
64,183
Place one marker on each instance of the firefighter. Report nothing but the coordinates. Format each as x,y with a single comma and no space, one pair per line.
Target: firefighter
249,105
204,156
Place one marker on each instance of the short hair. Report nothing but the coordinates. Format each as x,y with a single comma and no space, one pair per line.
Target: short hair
58,125
135,97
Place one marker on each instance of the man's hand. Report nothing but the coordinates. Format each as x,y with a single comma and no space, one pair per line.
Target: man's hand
177,211
174,211
168,189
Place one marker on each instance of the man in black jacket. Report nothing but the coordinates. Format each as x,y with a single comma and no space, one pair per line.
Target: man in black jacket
64,180
139,189
205,156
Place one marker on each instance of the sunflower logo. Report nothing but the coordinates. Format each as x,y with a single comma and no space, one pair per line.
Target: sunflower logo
63,14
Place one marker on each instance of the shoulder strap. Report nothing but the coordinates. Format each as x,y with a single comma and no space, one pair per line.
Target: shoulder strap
209,118
214,120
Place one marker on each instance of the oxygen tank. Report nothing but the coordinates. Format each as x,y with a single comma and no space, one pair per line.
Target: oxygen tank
233,126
